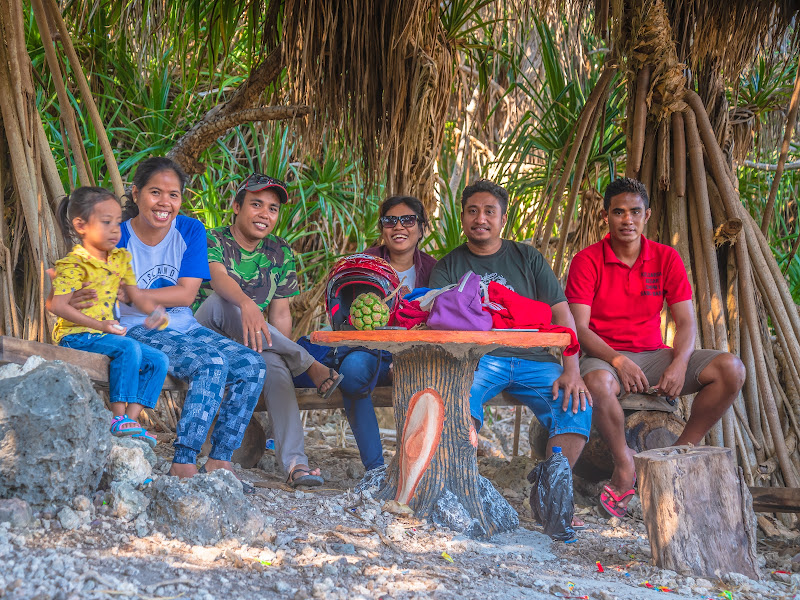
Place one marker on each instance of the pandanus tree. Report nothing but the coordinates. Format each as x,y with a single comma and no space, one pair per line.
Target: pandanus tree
676,57
374,78
379,80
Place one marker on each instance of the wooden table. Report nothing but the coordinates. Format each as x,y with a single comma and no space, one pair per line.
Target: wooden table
435,470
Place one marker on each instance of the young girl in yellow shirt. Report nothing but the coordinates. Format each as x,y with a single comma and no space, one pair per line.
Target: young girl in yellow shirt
136,372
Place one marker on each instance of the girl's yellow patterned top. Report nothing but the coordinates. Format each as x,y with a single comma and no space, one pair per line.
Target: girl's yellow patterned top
79,267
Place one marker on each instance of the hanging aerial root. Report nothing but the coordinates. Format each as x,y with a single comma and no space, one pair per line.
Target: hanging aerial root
704,228
580,167
585,119
720,172
662,153
679,154
648,166
639,121
65,107
750,395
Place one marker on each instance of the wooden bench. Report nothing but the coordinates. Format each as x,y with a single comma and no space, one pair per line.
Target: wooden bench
17,351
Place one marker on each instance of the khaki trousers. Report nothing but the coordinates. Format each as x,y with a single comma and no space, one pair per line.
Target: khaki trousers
285,359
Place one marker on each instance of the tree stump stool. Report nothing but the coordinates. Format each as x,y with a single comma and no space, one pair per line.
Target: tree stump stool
697,510
650,422
435,470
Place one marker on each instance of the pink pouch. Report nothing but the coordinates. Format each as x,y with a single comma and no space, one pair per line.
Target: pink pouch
459,308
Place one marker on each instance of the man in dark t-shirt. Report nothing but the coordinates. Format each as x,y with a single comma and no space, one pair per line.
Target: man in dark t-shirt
556,395
253,276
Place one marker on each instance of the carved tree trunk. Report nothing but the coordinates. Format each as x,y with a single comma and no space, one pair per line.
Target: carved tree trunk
647,428
698,511
435,469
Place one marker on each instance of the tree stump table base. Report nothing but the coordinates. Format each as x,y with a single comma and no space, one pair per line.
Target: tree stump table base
435,468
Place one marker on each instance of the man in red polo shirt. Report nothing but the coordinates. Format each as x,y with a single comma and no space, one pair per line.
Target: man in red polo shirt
616,289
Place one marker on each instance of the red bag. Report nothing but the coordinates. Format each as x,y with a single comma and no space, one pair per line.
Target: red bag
510,310
408,314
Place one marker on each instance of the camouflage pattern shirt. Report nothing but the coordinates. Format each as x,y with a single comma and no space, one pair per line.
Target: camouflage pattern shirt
266,273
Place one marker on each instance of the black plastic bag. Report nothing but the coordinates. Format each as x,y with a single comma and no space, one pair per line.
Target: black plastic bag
551,496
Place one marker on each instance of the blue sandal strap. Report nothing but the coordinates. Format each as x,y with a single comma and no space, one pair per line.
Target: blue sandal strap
118,430
146,436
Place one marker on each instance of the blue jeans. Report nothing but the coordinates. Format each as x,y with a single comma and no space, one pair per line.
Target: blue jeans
136,372
359,368
530,382
223,376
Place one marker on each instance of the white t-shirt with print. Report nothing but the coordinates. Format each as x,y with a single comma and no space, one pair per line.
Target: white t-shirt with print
182,253
408,277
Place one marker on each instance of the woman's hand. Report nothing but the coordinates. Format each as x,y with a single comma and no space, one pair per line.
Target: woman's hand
122,295
80,299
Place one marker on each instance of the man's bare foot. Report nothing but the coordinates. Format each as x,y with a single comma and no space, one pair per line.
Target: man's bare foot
623,478
182,471
322,376
314,471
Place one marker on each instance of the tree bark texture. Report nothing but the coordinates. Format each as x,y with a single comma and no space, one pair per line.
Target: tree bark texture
200,137
235,111
436,471
645,429
697,510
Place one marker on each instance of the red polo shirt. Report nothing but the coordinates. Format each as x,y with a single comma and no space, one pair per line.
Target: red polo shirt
626,302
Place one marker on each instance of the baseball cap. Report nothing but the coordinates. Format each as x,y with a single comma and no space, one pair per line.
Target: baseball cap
257,182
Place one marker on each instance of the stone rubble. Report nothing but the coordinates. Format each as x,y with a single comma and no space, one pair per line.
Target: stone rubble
15,511
127,464
129,538
206,509
54,436
324,547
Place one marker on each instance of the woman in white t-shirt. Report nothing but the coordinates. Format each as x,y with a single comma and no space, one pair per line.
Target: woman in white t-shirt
403,223
170,260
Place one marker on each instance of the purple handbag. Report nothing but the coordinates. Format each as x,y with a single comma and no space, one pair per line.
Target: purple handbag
459,308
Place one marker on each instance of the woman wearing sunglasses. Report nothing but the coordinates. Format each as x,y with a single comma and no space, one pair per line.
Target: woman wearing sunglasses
403,223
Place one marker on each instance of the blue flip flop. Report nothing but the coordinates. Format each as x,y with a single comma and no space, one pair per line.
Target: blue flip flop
118,430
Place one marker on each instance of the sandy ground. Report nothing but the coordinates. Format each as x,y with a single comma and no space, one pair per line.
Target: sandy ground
332,543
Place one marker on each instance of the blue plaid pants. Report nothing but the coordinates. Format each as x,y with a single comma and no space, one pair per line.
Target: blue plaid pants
222,375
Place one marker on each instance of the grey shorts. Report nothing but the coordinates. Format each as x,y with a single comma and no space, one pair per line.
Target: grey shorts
654,363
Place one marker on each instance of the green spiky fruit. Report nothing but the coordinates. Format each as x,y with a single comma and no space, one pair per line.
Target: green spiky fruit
368,311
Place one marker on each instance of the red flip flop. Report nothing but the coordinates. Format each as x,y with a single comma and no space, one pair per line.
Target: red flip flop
609,502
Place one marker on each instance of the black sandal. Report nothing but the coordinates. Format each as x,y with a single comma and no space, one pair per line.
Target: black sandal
308,479
336,380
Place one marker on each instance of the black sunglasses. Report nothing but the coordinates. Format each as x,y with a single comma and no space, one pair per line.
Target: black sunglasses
257,182
407,221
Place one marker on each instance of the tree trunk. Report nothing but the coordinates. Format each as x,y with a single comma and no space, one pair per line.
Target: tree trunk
697,511
435,469
645,429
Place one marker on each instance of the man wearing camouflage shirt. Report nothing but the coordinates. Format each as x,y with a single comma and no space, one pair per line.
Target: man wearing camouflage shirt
253,274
